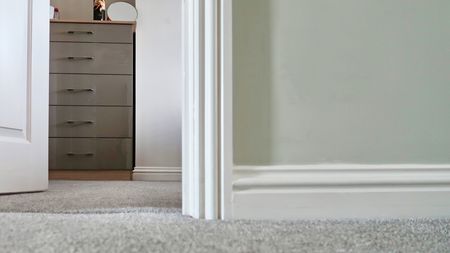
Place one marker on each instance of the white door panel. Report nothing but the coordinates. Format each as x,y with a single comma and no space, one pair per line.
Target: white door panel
13,65
24,56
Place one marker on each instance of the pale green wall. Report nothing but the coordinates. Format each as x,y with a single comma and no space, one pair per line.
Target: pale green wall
348,81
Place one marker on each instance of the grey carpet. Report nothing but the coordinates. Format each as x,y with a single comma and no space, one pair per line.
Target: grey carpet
142,228
94,196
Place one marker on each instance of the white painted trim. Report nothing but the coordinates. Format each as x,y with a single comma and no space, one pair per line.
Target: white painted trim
206,162
341,191
193,112
157,174
212,98
339,175
185,104
158,169
226,107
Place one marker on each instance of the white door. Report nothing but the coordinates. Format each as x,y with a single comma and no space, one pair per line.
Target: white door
24,66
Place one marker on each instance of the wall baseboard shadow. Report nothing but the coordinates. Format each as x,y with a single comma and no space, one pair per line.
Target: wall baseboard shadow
341,191
157,174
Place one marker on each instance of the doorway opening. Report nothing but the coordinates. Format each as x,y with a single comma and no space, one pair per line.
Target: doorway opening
105,80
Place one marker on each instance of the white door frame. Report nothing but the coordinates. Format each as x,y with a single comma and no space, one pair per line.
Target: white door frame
277,192
207,108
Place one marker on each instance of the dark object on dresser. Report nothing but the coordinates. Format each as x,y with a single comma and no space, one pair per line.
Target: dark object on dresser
100,10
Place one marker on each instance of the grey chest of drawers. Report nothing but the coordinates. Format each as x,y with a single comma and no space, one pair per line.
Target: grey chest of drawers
91,96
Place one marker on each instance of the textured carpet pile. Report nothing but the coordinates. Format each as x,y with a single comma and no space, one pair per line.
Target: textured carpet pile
146,217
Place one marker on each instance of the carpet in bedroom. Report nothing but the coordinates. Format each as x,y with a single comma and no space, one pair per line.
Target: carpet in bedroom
146,217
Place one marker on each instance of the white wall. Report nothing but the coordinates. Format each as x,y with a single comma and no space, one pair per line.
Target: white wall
341,109
159,85
346,81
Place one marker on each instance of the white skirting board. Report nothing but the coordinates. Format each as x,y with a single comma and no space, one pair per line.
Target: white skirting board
341,191
157,174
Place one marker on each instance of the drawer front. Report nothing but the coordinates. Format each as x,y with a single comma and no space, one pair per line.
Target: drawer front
91,58
105,33
85,121
90,154
66,89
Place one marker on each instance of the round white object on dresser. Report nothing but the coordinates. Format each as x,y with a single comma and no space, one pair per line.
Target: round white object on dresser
122,11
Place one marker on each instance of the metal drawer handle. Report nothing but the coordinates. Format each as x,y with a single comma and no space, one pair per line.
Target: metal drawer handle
79,90
81,32
80,154
80,122
80,58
